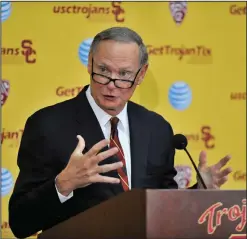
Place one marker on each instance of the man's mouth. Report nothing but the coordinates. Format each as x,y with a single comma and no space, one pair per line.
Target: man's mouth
110,97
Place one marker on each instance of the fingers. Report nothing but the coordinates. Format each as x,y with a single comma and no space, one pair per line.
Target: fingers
202,160
86,170
80,146
105,168
97,147
92,173
221,181
103,155
105,179
109,167
224,172
220,177
222,162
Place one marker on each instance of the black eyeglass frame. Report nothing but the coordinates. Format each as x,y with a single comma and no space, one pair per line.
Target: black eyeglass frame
114,80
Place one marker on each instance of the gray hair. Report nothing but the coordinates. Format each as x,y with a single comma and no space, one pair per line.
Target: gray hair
121,34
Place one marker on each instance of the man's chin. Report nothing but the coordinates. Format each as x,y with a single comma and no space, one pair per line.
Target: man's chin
111,105
110,109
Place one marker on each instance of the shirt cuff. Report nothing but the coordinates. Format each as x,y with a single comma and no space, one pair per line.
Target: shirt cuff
61,197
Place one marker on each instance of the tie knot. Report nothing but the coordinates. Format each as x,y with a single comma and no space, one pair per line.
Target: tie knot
114,122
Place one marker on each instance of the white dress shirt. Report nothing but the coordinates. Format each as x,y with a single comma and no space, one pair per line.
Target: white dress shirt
123,134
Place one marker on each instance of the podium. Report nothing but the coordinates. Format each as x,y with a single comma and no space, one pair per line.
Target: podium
159,214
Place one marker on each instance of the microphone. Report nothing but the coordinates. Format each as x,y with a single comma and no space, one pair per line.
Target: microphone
181,142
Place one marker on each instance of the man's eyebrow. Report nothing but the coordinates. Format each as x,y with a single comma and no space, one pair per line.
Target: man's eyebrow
128,68
102,64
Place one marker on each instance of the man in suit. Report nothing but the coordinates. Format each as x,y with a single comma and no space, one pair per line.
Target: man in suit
83,151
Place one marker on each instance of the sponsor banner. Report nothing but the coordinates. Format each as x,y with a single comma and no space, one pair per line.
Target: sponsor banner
111,11
24,53
196,78
179,52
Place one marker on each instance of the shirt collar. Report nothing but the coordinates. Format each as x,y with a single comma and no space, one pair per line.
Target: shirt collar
104,117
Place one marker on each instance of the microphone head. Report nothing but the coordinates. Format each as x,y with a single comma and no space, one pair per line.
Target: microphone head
180,141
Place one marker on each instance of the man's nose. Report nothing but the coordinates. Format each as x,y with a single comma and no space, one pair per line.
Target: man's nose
111,85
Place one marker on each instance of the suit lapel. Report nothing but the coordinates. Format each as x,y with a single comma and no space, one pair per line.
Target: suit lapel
139,139
88,125
89,128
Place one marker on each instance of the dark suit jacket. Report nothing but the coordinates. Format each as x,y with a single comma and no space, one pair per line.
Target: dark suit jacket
48,140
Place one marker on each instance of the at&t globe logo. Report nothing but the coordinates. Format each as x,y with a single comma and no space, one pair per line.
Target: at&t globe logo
180,95
6,182
84,50
5,10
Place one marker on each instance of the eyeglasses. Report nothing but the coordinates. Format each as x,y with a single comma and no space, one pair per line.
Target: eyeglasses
119,83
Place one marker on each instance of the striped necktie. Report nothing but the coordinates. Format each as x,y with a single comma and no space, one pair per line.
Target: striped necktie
114,142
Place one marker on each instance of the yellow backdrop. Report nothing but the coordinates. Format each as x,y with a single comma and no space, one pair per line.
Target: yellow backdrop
196,79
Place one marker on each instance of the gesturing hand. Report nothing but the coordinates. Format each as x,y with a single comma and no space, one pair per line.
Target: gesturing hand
213,176
83,169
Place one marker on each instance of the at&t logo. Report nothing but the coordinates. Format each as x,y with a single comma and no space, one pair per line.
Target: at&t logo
180,95
6,181
5,10
84,49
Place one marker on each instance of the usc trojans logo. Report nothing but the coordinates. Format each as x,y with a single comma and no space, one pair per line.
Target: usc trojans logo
213,217
207,137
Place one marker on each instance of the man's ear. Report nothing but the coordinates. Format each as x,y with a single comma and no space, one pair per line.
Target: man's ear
142,74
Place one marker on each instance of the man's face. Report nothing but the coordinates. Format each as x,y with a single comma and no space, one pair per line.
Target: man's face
117,60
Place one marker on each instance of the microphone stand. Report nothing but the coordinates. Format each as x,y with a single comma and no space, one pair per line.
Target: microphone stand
197,171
